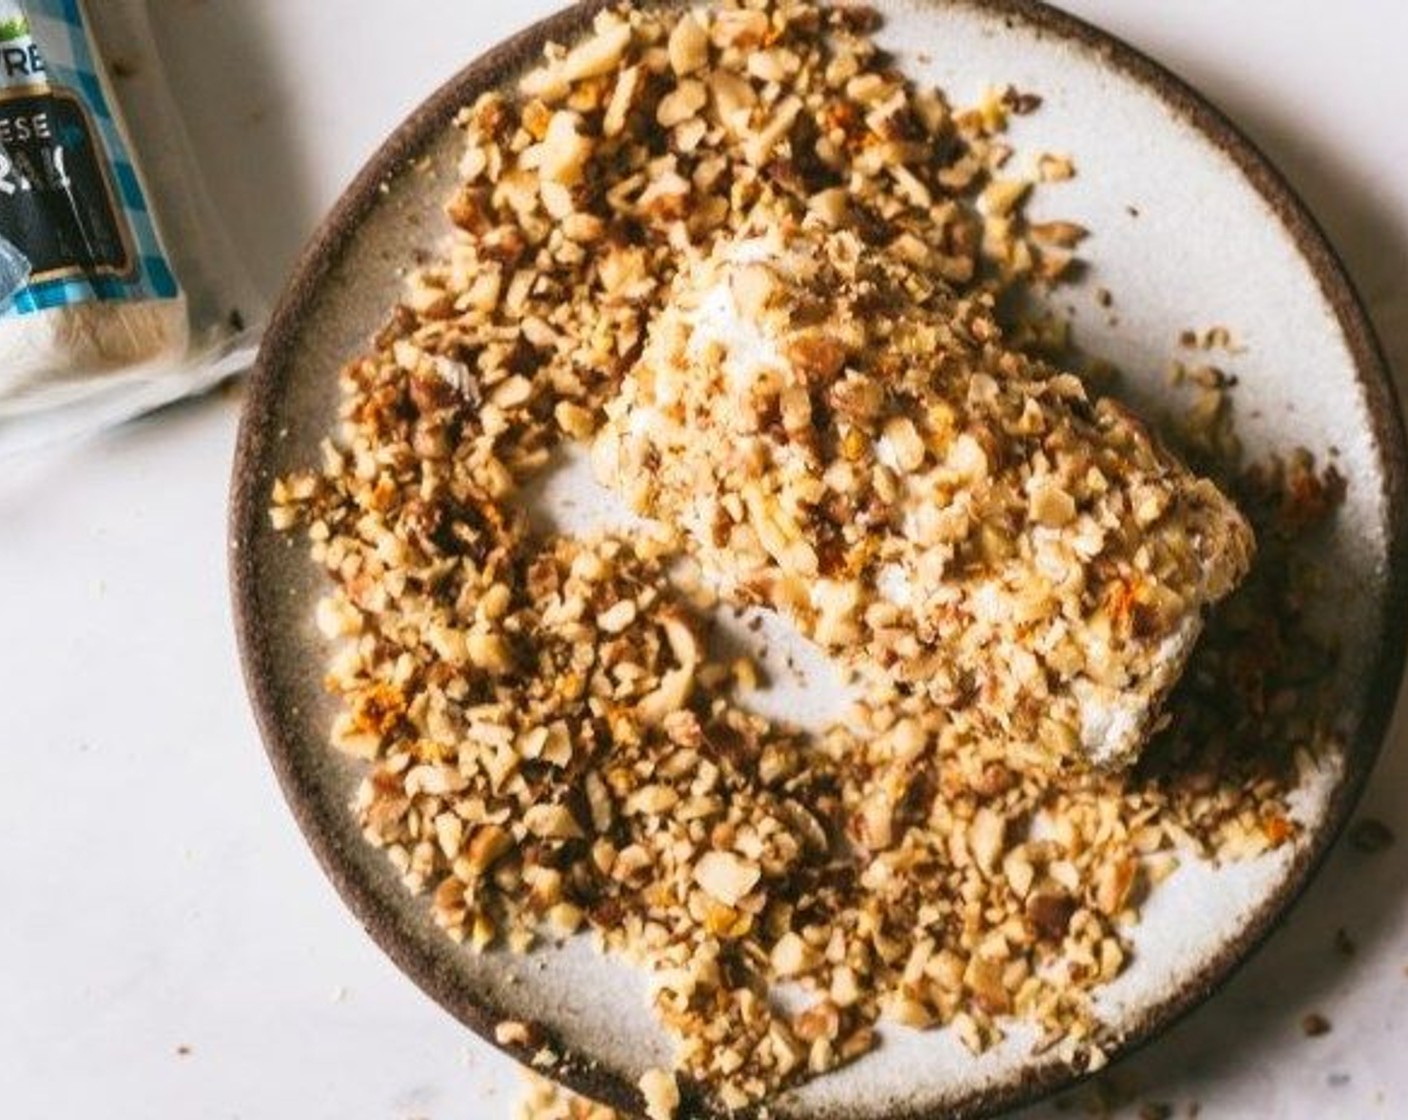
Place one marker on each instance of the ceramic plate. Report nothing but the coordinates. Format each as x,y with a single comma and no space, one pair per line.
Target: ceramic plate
1192,228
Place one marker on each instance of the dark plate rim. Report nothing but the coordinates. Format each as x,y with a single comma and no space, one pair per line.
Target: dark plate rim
260,423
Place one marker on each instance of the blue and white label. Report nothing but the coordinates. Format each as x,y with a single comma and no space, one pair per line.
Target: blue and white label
71,202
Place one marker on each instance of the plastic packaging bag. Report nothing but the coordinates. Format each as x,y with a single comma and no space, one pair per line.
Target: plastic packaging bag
127,293
14,272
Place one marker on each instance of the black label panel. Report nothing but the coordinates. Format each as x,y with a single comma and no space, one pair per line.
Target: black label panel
56,200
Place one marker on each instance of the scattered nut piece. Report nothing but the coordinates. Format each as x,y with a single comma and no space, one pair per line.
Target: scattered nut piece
689,45
512,1032
661,1094
1054,168
726,876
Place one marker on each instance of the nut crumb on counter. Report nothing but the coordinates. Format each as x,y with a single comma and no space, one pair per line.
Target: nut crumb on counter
1371,836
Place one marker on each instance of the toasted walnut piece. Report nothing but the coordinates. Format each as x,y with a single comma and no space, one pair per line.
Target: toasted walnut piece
984,977
652,799
666,198
985,838
689,45
1113,883
760,146
660,1093
792,956
817,355
858,399
337,618
1054,168
554,822
739,27
514,1032
1050,505
753,288
557,200
449,832
904,442
773,66
1002,196
845,988
967,457
565,917
669,697
682,728
512,392
1017,868
495,602
574,420
617,617
565,150
680,635
682,103
968,1032
623,96
831,206
726,877
733,100
598,55
1050,913
1065,234
488,651
911,187
487,846
873,824
795,408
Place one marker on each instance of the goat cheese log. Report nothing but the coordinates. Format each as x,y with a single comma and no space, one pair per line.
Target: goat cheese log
849,442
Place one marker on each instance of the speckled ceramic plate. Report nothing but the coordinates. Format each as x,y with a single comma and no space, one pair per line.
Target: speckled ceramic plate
1192,228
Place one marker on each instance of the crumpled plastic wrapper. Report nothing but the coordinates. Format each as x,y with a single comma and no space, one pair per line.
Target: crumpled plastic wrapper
14,272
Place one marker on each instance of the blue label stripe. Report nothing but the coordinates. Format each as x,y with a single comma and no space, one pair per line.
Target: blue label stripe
92,92
65,293
163,280
128,187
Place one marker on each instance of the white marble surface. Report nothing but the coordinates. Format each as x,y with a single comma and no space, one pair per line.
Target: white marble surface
168,947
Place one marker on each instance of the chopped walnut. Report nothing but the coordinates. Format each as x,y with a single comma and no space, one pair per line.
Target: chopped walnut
661,1094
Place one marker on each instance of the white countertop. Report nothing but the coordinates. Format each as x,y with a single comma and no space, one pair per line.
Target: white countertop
168,947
